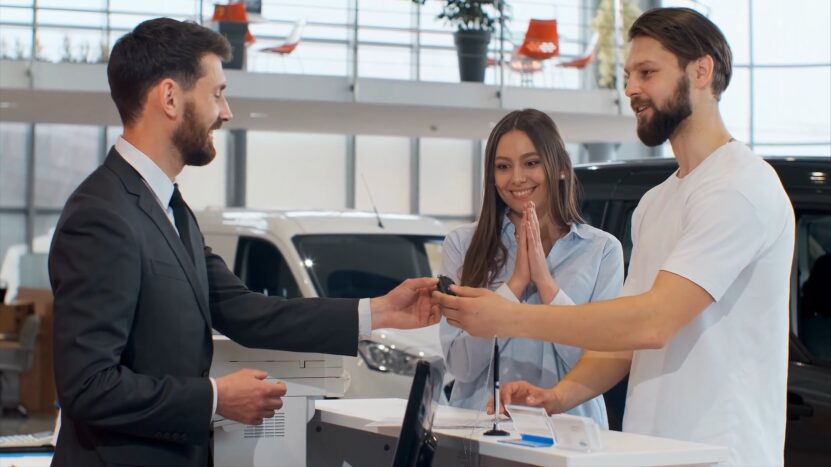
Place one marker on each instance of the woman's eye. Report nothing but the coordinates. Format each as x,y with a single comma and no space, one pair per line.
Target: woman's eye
532,163
501,166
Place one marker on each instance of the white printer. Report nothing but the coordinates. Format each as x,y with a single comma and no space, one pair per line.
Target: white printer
280,440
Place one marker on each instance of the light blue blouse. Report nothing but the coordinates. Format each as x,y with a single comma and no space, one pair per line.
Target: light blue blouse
587,264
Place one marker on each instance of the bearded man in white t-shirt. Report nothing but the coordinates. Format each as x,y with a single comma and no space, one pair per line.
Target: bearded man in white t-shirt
702,324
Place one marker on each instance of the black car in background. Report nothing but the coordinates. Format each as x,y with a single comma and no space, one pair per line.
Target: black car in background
612,190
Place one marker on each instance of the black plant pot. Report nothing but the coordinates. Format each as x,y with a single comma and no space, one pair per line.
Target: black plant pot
472,48
235,33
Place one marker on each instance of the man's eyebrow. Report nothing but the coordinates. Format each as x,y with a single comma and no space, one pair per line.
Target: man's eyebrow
638,65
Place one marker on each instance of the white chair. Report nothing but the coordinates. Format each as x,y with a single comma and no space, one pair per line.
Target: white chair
291,42
583,60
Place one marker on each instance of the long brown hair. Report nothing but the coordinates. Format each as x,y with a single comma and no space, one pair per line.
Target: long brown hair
486,255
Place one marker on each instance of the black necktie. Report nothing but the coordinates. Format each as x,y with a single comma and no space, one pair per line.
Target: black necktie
182,218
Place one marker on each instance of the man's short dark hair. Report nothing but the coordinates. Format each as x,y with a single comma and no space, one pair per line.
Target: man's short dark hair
689,35
157,49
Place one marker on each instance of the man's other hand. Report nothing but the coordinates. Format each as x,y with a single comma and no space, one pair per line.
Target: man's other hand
245,397
407,306
525,393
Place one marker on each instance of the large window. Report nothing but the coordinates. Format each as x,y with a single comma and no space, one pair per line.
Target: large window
382,173
35,186
296,170
779,100
13,142
64,156
445,175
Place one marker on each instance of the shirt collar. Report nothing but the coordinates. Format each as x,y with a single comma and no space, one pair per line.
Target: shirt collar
153,175
580,230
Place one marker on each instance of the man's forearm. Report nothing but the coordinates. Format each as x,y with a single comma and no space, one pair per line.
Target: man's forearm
594,374
613,325
645,321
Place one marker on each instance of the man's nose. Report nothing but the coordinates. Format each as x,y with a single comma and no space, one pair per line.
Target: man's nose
225,113
631,87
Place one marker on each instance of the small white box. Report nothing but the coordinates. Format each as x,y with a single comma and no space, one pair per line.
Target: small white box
576,433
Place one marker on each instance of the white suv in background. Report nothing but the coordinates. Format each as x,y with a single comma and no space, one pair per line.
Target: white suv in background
337,254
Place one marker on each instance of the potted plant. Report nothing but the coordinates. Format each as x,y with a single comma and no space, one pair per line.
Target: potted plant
474,20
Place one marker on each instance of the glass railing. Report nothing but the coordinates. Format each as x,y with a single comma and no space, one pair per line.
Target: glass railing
390,39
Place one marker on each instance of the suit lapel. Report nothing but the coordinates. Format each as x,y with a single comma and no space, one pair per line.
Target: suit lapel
148,203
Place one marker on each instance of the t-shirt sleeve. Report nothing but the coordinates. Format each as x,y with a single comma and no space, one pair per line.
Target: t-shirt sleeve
722,234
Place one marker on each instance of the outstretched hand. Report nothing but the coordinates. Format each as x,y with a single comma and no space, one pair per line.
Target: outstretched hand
480,312
407,306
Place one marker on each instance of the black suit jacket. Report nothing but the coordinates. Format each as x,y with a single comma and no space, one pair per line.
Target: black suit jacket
133,319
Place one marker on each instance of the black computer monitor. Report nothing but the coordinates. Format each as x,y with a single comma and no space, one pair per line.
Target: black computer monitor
416,444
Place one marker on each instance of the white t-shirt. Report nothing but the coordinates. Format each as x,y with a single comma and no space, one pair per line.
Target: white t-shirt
728,226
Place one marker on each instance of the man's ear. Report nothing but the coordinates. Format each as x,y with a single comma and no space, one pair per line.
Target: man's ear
702,72
169,97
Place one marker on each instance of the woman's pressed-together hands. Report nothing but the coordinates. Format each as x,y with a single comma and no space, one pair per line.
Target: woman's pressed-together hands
484,313
531,263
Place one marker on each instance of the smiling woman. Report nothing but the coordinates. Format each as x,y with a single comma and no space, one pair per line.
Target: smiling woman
531,245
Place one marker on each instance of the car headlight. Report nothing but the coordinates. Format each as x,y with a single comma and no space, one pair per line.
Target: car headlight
387,359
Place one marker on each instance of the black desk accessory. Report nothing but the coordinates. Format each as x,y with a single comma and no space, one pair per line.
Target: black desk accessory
495,431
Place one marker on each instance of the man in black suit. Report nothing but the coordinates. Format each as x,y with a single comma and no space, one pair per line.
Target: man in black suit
137,292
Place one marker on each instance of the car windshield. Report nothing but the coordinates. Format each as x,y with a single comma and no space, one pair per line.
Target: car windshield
365,265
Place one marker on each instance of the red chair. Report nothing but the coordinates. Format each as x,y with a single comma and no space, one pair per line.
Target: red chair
541,40
541,43
233,13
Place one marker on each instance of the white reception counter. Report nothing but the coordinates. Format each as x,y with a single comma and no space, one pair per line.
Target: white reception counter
363,432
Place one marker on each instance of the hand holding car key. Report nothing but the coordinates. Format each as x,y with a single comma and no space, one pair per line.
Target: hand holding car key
444,285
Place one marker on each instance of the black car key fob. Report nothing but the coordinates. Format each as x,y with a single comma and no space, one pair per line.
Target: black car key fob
444,285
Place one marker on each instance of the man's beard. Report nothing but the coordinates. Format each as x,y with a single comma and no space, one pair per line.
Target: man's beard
194,143
656,130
